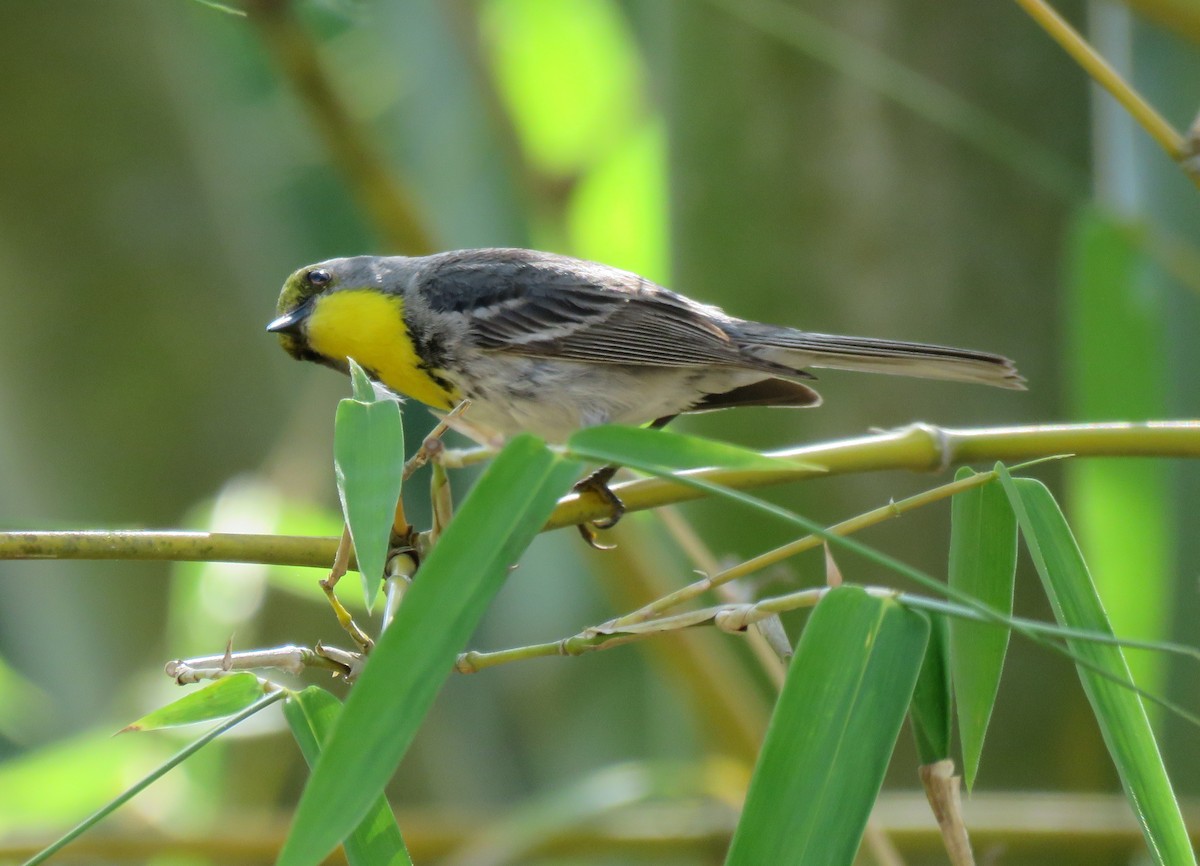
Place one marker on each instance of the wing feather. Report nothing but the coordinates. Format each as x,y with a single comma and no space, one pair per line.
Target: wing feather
551,306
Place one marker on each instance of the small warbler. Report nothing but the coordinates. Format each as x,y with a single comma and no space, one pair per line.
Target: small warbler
548,344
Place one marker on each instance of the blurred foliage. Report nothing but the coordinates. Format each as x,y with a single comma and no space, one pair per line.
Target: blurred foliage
161,179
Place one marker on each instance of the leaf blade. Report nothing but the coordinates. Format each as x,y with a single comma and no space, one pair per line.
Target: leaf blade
311,715
1119,710
504,511
368,457
932,703
216,700
983,563
832,733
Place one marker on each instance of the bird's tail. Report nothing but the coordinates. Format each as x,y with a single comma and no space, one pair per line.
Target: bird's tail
800,349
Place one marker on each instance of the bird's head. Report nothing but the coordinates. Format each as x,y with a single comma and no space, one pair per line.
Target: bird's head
349,308
297,301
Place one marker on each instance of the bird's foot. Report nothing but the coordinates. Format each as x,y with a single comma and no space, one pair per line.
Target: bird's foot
597,485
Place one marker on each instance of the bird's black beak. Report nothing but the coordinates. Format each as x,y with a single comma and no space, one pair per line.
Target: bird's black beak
291,322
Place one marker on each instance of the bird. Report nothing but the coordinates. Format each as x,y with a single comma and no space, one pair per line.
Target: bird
549,344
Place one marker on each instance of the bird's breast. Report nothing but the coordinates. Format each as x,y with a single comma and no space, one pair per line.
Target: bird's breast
369,327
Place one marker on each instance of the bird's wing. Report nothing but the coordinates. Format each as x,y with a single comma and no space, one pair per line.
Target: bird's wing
552,306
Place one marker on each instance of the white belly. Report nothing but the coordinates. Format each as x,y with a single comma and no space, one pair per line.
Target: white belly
552,399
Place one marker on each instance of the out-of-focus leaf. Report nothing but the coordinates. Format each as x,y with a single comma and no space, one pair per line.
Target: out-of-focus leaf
932,703
1119,710
368,453
150,778
311,715
216,700
983,563
569,118
506,508
610,794
24,708
45,789
1114,352
618,211
832,732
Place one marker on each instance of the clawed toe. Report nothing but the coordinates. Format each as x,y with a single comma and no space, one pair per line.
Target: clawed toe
597,484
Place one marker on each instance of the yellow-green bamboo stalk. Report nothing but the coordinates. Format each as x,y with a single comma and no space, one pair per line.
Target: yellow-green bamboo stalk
1168,138
919,448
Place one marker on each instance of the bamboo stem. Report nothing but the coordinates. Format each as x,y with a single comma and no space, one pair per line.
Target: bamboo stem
921,448
1081,51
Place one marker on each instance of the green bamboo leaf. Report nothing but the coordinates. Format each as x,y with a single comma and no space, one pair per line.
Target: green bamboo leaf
218,699
983,563
154,775
505,510
368,456
311,715
360,384
614,443
832,732
932,704
1119,710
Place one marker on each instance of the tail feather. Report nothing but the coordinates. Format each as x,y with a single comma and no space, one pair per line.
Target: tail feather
800,349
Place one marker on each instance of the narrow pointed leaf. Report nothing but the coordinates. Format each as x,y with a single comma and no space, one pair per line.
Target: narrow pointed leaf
505,510
154,775
218,699
368,453
377,840
832,733
1119,710
983,563
360,384
640,446
932,703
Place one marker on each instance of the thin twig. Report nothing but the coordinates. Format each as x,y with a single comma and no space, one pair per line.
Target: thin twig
708,669
737,617
1106,76
773,660
809,542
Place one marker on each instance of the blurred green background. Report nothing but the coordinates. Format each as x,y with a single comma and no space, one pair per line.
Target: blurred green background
907,170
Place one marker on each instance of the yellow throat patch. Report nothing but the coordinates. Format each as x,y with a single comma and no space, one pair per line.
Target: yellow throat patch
368,326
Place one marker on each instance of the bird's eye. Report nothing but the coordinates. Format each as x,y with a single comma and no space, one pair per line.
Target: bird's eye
318,278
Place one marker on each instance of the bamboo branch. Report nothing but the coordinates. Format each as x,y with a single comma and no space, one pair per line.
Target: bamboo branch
386,202
919,448
1102,73
716,578
170,546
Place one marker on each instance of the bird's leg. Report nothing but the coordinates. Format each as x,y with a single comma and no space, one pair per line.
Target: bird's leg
341,564
597,484
432,447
